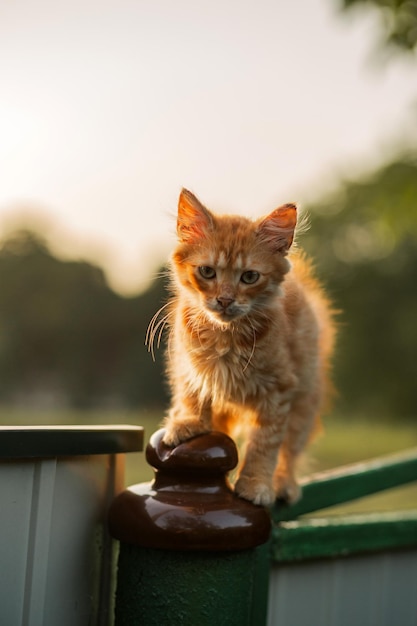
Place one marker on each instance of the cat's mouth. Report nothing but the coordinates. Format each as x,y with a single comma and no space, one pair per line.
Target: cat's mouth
226,314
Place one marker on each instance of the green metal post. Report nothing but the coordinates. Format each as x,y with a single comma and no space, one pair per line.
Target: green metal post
189,550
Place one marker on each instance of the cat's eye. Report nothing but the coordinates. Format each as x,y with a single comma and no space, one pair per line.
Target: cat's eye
207,272
249,277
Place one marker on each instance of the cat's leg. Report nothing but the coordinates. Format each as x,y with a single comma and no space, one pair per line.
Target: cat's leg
255,482
286,486
301,422
187,418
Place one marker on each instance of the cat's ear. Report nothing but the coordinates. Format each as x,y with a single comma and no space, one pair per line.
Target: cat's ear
193,220
277,229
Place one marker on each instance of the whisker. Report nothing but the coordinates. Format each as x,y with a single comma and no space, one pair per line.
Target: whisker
151,323
158,330
253,347
152,330
162,325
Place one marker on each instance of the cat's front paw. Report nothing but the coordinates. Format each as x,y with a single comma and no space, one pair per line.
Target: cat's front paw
255,491
176,434
287,488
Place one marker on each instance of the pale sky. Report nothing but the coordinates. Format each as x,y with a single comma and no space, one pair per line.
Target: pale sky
108,108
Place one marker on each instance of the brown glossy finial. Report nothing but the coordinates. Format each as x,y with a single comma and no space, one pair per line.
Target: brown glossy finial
189,505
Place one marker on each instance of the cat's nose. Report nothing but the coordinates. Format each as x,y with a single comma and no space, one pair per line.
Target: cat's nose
224,302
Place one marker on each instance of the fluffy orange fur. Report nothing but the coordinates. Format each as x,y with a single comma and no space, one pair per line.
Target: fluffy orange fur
251,337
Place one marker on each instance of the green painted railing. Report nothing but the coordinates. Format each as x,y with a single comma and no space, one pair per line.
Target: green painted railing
330,537
318,537
351,482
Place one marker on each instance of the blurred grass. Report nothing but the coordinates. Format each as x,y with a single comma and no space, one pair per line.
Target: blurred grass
345,440
352,439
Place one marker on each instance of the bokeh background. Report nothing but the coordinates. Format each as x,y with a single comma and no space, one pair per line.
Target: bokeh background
107,109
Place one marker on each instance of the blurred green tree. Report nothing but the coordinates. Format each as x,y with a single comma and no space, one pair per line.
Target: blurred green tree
63,331
364,240
398,20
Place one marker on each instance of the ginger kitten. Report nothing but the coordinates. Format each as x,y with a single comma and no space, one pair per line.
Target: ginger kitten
251,334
